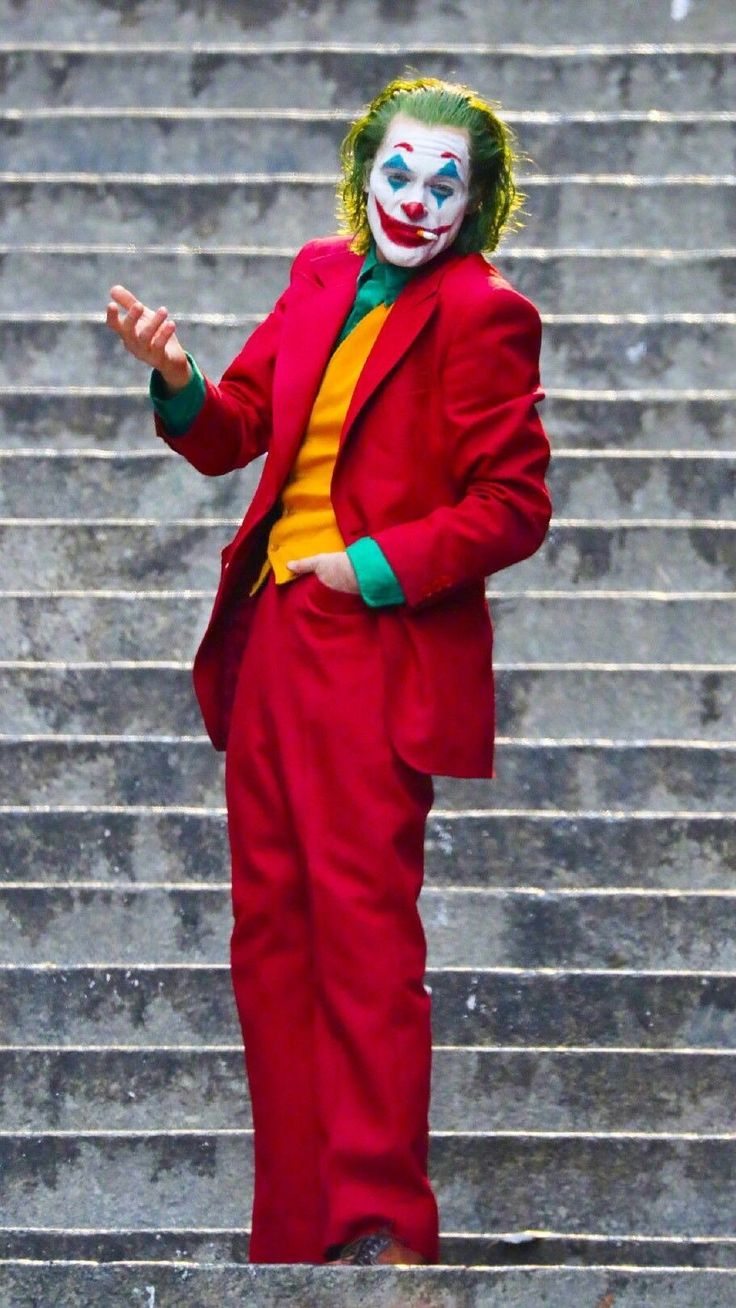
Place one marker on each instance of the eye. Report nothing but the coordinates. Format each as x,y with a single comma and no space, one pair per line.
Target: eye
442,191
396,177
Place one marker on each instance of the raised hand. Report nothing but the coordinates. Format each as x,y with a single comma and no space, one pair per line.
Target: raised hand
149,335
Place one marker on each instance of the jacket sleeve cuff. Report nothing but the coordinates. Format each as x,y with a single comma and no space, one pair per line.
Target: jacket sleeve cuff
177,412
377,580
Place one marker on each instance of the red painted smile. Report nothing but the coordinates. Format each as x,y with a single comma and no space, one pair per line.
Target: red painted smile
408,234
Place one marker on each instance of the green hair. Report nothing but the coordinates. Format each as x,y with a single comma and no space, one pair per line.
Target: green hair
493,196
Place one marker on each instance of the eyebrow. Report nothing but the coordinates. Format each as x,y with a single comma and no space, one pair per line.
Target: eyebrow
450,154
403,145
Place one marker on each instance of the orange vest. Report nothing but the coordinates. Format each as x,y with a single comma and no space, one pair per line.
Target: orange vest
307,524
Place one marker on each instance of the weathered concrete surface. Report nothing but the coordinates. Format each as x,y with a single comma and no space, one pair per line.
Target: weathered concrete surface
324,78
492,1089
210,1286
184,1005
658,1186
468,1249
330,20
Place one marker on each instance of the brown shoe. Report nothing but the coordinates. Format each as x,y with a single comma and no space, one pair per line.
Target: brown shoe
378,1247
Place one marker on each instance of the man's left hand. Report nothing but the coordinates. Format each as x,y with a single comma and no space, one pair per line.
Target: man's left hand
334,570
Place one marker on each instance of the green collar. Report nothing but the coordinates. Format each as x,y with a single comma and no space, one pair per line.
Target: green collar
378,283
389,277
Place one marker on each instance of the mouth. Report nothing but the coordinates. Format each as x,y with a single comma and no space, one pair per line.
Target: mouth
408,234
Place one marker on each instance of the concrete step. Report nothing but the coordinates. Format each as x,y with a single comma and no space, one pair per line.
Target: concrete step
567,701
346,76
81,923
662,1184
653,213
559,628
531,773
148,1007
613,350
662,485
205,1089
629,419
549,851
503,1249
543,1249
187,140
200,1285
155,484
334,20
122,554
119,418
603,557
563,627
47,279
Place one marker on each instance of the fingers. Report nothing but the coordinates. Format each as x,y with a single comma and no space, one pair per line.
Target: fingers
145,324
125,325
123,296
134,313
145,333
113,317
307,564
164,334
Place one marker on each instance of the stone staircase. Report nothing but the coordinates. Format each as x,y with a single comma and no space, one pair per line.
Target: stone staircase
581,908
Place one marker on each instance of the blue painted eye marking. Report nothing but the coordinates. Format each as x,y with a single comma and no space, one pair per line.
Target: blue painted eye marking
442,193
397,171
393,167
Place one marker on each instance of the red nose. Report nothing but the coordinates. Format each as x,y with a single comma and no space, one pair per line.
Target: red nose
414,210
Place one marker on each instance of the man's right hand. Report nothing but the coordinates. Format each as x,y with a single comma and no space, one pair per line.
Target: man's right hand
149,336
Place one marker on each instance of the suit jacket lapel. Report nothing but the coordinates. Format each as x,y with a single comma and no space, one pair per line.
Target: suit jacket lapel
310,327
412,310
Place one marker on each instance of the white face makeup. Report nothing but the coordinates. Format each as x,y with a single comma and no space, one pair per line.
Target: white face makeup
418,190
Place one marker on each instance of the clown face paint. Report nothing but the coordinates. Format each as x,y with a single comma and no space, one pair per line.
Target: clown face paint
418,190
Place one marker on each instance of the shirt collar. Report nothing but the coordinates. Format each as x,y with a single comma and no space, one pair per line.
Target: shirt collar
387,275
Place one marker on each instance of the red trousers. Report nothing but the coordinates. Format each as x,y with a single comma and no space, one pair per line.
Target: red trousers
328,952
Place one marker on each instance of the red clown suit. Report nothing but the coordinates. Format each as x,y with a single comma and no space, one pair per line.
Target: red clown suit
334,710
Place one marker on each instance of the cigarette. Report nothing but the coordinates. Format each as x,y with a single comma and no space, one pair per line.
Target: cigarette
428,236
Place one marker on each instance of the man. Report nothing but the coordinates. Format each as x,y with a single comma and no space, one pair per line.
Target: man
393,388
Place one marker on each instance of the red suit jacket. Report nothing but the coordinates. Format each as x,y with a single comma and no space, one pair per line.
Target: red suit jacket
442,459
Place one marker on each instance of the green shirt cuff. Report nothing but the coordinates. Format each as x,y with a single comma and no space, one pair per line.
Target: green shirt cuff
177,412
377,580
